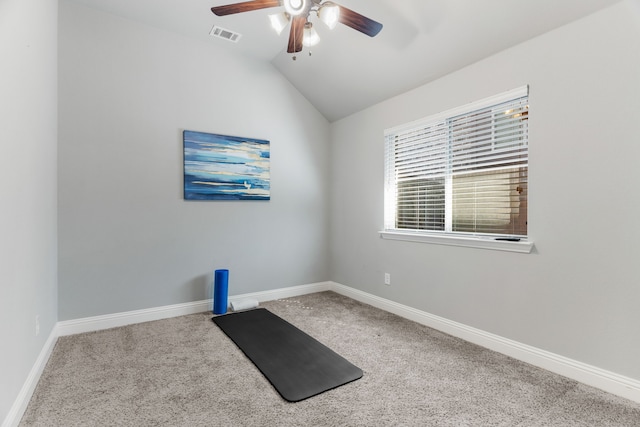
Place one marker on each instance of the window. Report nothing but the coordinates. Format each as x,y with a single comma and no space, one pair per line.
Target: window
462,172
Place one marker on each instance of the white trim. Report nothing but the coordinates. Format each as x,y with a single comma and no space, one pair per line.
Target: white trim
281,293
608,381
22,400
96,323
107,321
522,246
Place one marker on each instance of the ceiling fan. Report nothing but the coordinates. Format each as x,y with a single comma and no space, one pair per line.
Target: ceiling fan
297,12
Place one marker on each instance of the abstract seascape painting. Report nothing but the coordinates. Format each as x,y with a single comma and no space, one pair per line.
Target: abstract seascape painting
221,167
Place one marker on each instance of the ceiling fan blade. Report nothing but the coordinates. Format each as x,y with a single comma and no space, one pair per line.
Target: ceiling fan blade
296,34
246,6
359,22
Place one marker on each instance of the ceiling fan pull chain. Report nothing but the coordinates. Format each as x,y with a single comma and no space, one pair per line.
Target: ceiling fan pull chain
294,42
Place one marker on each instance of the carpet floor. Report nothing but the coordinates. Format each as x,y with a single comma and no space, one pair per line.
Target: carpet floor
184,371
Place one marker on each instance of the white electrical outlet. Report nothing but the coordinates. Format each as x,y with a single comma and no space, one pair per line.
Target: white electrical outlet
387,279
37,325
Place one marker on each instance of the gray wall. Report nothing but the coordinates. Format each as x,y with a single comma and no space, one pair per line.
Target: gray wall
577,294
128,240
28,245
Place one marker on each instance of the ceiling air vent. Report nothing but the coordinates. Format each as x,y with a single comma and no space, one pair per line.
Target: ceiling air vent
223,33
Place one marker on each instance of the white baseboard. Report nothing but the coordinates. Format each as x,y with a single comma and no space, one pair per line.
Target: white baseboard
20,404
107,321
608,381
291,292
97,323
605,380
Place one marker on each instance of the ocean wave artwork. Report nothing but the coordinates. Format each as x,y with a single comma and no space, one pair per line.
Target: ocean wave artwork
222,167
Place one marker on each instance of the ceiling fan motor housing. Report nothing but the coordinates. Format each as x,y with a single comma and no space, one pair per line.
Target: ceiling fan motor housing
298,7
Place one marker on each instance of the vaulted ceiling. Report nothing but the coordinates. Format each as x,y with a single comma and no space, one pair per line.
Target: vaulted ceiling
348,71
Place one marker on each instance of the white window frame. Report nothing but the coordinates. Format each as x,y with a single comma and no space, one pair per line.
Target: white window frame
520,244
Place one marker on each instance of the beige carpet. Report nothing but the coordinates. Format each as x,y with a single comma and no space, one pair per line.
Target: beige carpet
185,372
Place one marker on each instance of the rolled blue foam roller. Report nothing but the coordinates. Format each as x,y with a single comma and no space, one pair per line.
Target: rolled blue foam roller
220,291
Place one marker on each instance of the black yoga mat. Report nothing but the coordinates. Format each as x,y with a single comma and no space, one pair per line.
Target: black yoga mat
296,364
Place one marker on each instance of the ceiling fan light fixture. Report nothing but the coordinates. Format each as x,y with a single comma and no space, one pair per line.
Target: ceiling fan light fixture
297,14
279,21
329,13
310,37
296,7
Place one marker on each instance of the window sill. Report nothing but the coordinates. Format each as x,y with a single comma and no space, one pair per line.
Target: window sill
523,246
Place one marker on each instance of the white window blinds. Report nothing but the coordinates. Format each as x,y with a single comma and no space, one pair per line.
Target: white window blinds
462,171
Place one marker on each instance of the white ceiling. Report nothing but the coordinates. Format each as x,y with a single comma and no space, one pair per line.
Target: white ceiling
421,40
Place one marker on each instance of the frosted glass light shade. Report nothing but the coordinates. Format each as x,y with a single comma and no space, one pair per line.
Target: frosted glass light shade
279,21
310,37
329,13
